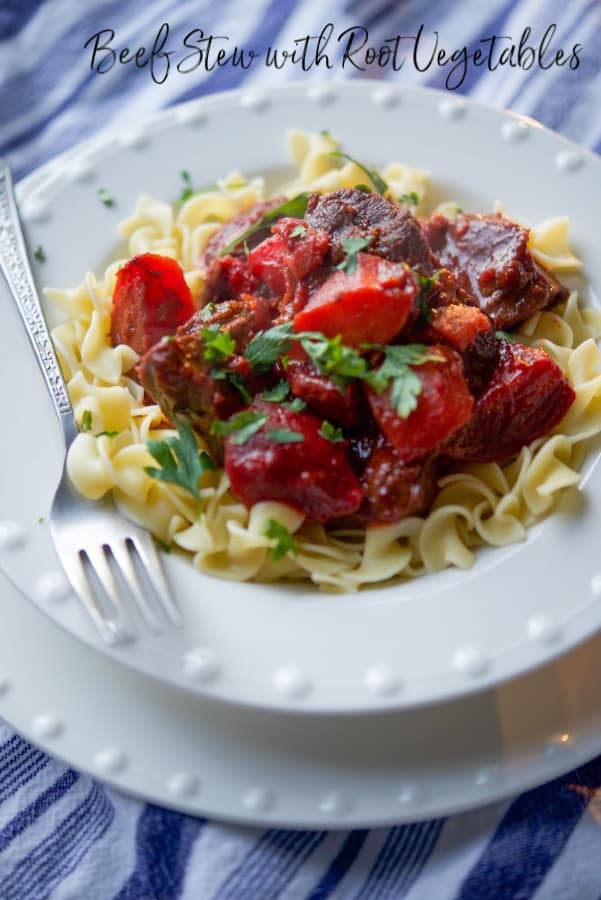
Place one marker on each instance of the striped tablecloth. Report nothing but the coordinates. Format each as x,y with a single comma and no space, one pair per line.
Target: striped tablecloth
61,834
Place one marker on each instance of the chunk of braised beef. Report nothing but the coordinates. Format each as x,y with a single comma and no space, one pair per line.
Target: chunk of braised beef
490,257
293,252
176,376
395,233
232,229
525,398
395,489
341,405
480,360
227,278
150,301
371,304
443,406
312,474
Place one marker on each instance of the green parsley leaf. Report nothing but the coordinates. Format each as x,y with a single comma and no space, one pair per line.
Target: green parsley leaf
41,520
395,372
238,382
244,424
278,393
187,189
295,208
284,436
181,461
109,434
105,197
219,345
296,405
331,357
378,182
207,312
166,548
298,231
505,336
351,247
284,541
364,187
425,286
325,133
412,197
331,432
267,346
86,420
39,254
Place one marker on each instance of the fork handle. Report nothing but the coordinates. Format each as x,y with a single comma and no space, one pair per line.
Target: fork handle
17,271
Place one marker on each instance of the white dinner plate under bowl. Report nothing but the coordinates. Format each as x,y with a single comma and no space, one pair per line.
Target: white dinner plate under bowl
267,768
278,646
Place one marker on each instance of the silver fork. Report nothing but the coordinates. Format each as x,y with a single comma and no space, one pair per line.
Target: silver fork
87,534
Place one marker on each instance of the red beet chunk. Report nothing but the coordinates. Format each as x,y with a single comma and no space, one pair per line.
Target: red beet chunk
314,474
151,300
343,405
294,251
458,325
443,406
393,489
525,398
369,305
227,278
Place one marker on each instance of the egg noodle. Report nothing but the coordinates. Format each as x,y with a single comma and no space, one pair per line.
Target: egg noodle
483,504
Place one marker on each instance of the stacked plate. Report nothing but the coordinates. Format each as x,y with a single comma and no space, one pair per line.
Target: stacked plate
275,703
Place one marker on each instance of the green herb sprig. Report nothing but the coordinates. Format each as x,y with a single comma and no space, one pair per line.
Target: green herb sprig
180,460
351,247
381,186
296,208
284,541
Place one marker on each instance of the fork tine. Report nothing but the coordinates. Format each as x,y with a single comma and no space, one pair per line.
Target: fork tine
146,550
99,563
112,631
122,553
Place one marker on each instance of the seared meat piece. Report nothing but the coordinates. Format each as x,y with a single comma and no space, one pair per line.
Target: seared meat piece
228,277
226,234
394,489
344,406
480,360
178,377
526,397
396,234
490,257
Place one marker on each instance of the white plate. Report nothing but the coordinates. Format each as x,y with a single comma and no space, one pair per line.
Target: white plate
268,768
276,646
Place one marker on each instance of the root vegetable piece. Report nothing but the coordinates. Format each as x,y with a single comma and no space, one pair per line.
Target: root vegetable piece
526,397
369,305
294,251
312,474
150,301
443,406
458,325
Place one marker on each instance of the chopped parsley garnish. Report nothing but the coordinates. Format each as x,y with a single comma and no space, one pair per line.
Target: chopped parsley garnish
276,394
109,434
412,197
219,345
364,187
325,133
298,231
284,541
331,357
187,189
243,425
181,461
505,336
41,520
395,372
425,286
284,436
378,182
105,197
267,346
296,405
207,312
295,208
86,420
331,432
39,254
237,381
351,247
166,548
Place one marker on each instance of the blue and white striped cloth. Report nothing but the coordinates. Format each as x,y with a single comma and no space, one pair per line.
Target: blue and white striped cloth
61,834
